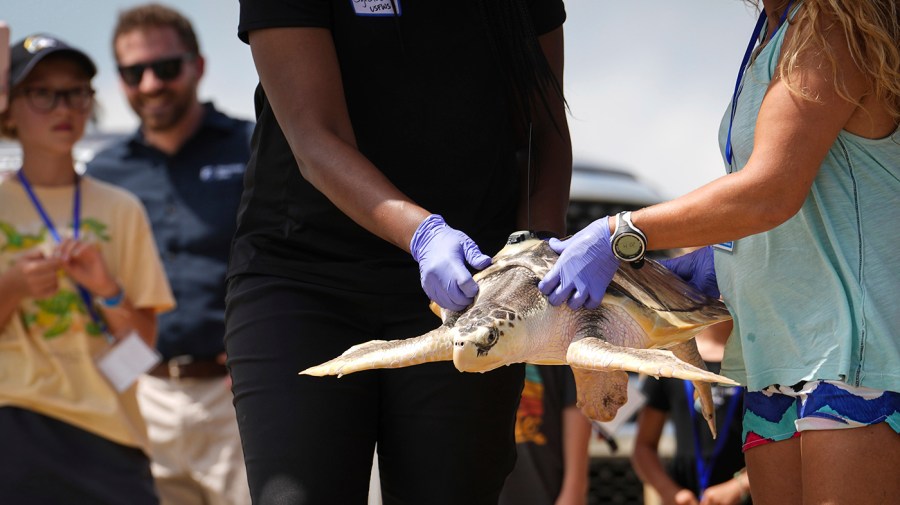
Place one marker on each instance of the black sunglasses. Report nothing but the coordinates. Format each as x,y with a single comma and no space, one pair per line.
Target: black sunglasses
165,69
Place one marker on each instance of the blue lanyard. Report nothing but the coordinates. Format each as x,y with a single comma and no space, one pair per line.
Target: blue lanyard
729,155
76,225
704,467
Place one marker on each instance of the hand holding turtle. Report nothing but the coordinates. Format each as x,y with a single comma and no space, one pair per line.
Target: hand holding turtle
442,253
697,269
585,267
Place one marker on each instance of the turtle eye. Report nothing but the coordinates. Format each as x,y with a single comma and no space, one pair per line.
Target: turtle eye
493,335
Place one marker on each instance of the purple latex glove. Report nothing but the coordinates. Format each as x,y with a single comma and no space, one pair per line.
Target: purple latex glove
442,254
697,269
584,269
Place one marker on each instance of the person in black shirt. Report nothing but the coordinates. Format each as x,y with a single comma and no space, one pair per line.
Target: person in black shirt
384,158
552,438
185,163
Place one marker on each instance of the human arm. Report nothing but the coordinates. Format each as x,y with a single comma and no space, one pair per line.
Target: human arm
84,263
792,138
647,464
299,70
31,276
576,434
546,193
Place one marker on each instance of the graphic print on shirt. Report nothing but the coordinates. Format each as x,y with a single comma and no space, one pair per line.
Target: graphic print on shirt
52,316
530,416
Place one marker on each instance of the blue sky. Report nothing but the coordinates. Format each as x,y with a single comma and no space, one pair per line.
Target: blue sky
647,80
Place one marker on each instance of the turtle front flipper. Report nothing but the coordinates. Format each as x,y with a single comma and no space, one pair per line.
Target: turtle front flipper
599,395
596,354
687,352
436,345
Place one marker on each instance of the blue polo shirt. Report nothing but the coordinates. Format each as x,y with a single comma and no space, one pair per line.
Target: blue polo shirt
191,199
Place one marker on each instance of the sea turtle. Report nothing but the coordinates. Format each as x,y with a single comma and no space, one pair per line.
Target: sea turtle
645,324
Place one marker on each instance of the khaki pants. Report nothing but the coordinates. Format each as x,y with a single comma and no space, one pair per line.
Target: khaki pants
195,447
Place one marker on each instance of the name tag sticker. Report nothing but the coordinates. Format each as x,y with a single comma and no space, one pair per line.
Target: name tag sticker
126,361
375,7
725,246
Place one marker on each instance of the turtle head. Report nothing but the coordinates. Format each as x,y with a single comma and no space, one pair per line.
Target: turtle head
485,339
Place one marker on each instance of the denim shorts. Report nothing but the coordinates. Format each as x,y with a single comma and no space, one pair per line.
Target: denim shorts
781,412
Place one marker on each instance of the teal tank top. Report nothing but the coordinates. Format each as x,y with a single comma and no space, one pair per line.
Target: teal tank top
816,297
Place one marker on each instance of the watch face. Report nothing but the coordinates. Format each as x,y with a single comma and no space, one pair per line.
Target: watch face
629,246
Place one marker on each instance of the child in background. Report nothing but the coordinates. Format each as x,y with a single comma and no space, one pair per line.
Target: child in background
79,277
704,470
552,437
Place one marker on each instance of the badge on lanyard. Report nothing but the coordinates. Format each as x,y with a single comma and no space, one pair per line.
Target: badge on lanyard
703,464
739,84
127,358
376,7
725,246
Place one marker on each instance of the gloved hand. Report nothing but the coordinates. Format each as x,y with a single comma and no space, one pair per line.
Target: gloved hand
442,254
697,269
584,269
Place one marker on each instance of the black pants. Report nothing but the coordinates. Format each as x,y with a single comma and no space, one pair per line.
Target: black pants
44,461
444,437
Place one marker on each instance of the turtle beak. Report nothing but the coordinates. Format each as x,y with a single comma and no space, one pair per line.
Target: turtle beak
472,352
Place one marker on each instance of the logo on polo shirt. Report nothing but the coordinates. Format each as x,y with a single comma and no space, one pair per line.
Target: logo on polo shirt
221,172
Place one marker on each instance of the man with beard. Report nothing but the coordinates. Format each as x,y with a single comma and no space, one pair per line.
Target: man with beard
186,163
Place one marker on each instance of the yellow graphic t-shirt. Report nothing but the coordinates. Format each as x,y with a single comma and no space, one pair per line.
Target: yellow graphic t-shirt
49,346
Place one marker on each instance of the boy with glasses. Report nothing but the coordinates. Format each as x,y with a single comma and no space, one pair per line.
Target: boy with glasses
80,287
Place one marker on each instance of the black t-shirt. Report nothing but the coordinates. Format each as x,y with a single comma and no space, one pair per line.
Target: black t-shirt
669,395
429,109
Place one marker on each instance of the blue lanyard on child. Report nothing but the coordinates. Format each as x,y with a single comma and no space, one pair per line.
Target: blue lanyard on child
76,225
704,467
729,155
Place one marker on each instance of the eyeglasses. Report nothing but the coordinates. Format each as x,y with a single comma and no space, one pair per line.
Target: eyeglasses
46,99
165,69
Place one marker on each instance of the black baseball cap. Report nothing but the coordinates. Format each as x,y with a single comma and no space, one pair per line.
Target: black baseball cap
26,53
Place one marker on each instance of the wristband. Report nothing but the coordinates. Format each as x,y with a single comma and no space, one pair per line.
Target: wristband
113,301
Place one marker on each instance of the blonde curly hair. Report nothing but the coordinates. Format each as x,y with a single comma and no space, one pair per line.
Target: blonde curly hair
872,31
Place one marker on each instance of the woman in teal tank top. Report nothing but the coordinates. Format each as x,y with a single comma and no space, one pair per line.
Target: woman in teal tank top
807,253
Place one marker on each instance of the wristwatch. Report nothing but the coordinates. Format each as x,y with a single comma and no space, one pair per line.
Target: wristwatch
628,242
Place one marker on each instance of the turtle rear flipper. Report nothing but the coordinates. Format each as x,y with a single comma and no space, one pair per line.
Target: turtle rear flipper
687,352
600,394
